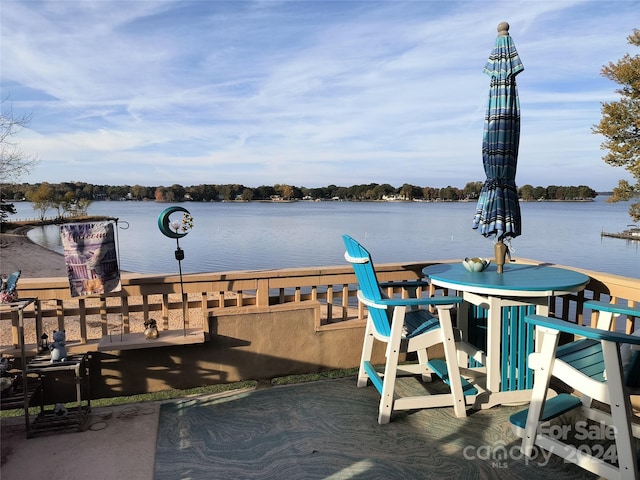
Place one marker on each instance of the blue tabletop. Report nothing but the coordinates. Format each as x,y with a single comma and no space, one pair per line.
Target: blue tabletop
516,277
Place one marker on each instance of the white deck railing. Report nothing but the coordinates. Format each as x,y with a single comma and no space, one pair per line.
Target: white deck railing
86,320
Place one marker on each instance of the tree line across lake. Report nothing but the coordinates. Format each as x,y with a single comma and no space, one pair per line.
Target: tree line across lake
228,192
73,198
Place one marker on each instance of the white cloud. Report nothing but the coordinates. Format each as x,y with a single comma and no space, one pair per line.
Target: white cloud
309,93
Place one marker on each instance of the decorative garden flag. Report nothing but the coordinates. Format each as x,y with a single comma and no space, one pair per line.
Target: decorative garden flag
91,257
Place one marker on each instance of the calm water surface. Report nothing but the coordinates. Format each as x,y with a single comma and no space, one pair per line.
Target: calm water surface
256,236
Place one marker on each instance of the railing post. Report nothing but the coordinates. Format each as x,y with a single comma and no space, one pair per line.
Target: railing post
104,318
614,320
165,311
37,310
204,308
345,301
124,311
631,321
239,299
262,292
145,308
83,320
329,303
580,308
185,310
15,335
60,314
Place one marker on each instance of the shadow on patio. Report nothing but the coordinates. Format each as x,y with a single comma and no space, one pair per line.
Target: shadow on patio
328,429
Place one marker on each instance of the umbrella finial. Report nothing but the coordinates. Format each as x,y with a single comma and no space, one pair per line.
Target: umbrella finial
503,28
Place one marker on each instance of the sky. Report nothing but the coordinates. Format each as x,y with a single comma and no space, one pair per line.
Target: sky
306,93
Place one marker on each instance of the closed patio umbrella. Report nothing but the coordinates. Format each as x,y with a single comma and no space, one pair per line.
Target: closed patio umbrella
498,211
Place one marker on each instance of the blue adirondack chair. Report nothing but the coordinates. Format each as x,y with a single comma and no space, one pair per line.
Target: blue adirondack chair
405,327
593,366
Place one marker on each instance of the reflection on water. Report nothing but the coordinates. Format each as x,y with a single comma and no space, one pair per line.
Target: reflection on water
48,237
256,236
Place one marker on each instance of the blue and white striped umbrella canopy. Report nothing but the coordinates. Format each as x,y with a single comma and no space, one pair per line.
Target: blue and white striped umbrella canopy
498,210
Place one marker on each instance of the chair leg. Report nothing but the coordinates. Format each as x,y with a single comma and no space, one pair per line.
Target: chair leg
451,357
621,413
391,366
388,388
367,349
541,362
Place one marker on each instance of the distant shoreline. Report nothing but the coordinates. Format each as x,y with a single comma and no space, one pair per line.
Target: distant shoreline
58,221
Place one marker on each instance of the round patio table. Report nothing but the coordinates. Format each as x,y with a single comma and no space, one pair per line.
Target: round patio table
494,310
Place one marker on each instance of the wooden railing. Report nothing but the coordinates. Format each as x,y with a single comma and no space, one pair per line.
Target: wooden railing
159,296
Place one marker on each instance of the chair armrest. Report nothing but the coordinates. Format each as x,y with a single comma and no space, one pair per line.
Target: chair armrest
414,302
587,332
613,308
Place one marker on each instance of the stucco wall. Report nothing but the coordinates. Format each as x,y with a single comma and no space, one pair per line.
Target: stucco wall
239,346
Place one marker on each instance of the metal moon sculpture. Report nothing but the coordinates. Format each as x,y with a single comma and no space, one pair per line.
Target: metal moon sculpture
164,222
177,230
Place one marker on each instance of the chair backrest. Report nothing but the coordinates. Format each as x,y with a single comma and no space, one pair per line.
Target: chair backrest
629,355
586,354
368,284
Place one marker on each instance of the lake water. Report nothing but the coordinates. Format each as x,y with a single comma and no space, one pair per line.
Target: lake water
256,236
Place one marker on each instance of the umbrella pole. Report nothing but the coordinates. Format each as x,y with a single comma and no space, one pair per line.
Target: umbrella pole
500,251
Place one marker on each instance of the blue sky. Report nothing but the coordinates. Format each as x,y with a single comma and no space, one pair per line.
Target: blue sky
308,93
